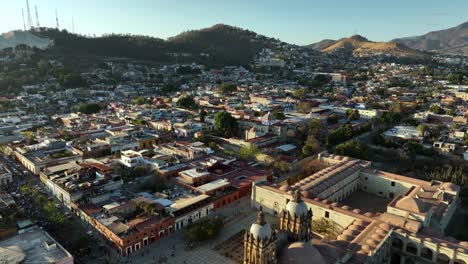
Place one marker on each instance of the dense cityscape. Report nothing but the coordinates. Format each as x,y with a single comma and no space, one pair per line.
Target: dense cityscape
221,145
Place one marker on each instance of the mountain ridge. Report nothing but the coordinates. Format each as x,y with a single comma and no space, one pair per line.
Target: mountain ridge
217,45
361,46
452,40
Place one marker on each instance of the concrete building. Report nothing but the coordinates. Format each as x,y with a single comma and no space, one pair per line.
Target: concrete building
72,181
33,245
5,176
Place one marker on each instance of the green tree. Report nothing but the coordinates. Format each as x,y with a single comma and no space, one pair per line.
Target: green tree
43,66
319,81
354,115
455,78
187,102
204,229
316,128
278,115
332,119
436,109
140,100
168,88
52,214
353,149
304,107
422,129
279,167
311,146
202,115
225,123
90,108
412,149
300,93
341,134
227,88
450,174
71,80
248,152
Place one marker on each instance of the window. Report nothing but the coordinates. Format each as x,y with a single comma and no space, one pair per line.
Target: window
327,214
365,178
365,187
393,183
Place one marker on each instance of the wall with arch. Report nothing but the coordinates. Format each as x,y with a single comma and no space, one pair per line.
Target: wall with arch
412,249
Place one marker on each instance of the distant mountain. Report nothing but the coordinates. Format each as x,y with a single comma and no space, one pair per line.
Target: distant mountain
321,44
14,38
216,45
449,41
360,46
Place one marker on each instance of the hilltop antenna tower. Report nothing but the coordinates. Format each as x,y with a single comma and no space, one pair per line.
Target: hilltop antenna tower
56,20
24,22
30,21
38,25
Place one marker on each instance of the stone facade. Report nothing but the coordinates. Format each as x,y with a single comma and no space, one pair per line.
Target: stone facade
408,230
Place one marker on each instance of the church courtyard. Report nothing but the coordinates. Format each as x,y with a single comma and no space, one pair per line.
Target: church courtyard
366,202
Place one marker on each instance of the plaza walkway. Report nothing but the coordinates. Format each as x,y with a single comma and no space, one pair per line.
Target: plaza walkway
239,216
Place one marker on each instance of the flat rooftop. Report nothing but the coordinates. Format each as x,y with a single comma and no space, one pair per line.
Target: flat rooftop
404,132
214,185
34,245
194,173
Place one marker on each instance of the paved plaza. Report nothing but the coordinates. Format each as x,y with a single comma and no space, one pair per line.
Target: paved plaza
239,216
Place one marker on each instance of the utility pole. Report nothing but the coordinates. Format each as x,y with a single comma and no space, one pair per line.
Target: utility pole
30,21
24,22
38,25
56,20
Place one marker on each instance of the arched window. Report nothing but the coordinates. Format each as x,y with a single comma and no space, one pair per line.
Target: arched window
411,248
426,253
397,243
442,259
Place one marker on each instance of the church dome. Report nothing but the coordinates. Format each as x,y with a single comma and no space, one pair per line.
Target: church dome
412,204
296,206
261,229
301,253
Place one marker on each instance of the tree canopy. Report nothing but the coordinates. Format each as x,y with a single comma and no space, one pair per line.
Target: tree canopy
353,149
226,124
90,108
278,115
227,88
248,153
187,102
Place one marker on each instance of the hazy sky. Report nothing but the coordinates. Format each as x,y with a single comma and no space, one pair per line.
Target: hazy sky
294,21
